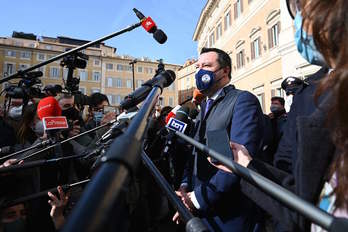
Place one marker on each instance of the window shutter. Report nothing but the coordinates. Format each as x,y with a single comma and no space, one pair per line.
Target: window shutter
235,10
259,41
272,93
252,50
243,54
269,38
241,6
230,18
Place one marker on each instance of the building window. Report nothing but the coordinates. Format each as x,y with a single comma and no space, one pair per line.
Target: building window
114,99
11,53
65,73
9,69
211,39
171,101
171,87
25,55
261,98
238,9
95,90
227,21
150,70
140,69
277,92
273,35
118,82
139,83
54,72
48,47
96,62
240,59
41,56
83,75
256,48
129,84
119,67
82,90
96,76
23,66
109,66
218,31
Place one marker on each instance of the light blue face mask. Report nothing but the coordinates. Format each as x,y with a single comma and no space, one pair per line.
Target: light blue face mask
305,44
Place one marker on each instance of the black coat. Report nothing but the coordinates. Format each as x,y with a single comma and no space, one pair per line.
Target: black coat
303,105
314,157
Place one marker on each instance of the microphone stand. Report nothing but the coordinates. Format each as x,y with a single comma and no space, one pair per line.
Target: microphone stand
20,73
98,202
193,224
278,192
39,163
42,194
64,141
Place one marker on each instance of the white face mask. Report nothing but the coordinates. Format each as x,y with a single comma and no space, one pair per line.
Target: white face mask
157,114
15,112
39,128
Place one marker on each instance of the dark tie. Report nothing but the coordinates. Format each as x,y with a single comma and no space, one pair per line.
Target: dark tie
208,106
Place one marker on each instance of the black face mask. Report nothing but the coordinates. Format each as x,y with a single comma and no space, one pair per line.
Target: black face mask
71,113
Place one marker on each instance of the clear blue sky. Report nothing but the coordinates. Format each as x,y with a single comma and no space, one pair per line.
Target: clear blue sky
93,19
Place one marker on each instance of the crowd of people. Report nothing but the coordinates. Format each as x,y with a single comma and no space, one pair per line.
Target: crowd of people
303,150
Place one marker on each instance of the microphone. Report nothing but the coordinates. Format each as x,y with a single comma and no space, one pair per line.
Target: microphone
116,128
163,79
172,113
150,26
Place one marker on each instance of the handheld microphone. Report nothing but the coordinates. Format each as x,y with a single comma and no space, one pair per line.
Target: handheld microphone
150,26
163,79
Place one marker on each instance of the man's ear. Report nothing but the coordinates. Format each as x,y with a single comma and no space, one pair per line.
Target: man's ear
226,70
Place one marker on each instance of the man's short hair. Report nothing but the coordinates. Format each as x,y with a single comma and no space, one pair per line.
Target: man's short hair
97,98
223,59
280,99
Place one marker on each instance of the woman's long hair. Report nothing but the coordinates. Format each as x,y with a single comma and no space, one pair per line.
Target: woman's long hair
328,20
25,133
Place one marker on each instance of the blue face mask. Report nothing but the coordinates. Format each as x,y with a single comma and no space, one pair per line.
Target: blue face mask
205,79
98,116
305,44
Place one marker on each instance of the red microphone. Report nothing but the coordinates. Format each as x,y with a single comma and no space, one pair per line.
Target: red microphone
150,26
48,107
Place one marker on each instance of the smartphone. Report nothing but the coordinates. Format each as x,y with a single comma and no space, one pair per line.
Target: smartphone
219,141
108,109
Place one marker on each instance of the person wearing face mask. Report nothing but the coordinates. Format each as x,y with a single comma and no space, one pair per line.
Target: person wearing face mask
97,116
318,167
212,194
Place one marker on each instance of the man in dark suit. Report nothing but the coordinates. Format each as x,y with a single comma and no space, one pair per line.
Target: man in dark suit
213,194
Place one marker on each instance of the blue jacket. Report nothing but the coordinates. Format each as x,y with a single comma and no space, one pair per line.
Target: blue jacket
222,205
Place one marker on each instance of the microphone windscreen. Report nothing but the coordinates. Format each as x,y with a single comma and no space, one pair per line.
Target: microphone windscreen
198,96
160,36
169,116
182,114
48,107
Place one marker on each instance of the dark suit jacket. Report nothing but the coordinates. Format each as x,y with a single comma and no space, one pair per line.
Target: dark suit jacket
217,192
314,156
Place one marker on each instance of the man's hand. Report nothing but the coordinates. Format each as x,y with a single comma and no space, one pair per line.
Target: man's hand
186,198
108,117
240,154
10,162
57,207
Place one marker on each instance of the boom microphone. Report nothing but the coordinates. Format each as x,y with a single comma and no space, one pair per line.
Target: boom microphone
163,79
150,26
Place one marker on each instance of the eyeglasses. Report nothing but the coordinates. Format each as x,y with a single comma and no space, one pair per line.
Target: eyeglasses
293,7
